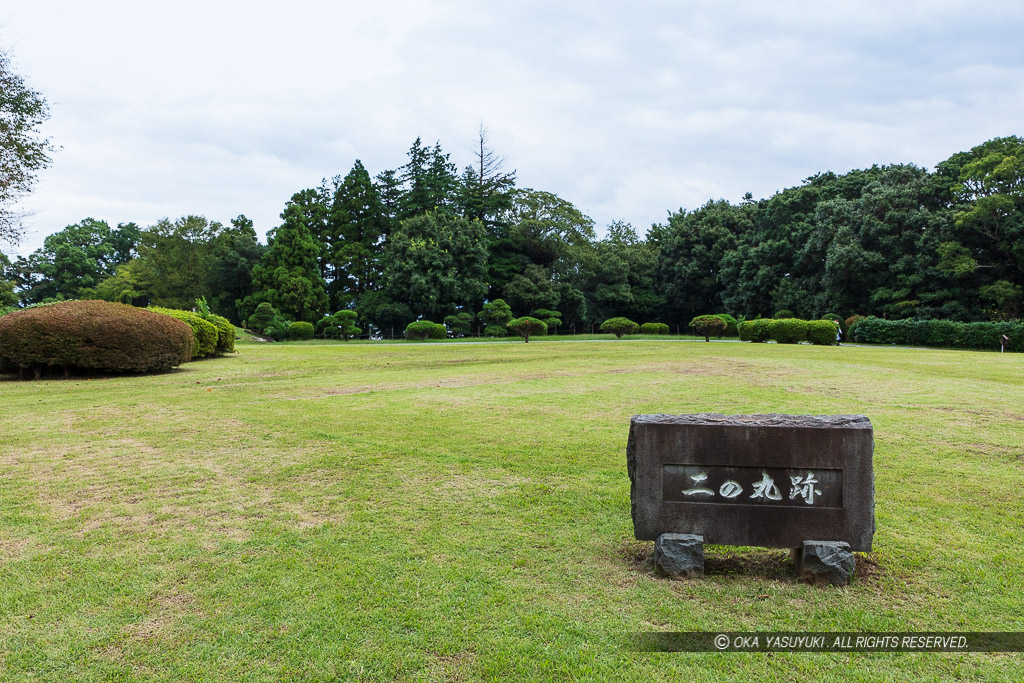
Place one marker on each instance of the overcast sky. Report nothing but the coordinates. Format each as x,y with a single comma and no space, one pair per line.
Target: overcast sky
220,108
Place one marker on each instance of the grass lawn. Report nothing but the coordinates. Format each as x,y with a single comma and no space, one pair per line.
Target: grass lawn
461,511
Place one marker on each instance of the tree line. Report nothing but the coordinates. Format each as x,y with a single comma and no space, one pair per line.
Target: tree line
425,241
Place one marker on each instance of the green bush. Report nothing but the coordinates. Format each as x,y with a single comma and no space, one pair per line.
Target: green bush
263,317
205,334
526,326
225,330
300,331
784,313
460,325
850,322
419,330
340,325
92,335
552,319
495,331
654,328
946,333
731,326
783,331
822,332
619,326
788,330
439,331
708,325
755,330
838,320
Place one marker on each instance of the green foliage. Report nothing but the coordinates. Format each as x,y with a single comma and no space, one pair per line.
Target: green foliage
731,326
754,330
437,263
300,331
25,151
654,328
205,334
277,330
783,331
619,326
93,335
788,330
439,331
497,314
495,331
459,325
851,321
288,277
262,317
225,330
709,325
553,319
526,327
838,320
945,333
822,332
420,330
341,325
266,321
784,313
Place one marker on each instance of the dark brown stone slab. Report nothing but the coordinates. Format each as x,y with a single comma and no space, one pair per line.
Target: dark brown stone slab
757,480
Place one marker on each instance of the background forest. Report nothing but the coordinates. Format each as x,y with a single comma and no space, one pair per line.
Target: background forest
425,241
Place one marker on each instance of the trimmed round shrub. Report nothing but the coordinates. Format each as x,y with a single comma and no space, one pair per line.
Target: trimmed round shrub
495,331
419,330
850,322
300,331
708,325
731,326
93,335
788,330
649,328
822,332
784,313
755,330
527,326
619,326
838,320
439,331
204,333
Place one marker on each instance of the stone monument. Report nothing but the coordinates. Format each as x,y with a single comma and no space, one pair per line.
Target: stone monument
783,481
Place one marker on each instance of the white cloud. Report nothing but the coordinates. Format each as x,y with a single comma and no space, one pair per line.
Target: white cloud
222,108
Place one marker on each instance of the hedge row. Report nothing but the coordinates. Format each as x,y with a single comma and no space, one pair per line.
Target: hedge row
92,335
654,328
424,329
947,333
789,331
212,334
204,333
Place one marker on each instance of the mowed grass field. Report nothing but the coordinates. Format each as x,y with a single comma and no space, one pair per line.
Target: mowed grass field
461,512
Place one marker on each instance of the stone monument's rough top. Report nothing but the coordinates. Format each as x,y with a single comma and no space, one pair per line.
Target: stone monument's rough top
764,420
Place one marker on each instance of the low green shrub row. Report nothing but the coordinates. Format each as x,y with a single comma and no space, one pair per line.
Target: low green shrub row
947,333
204,333
789,331
424,329
654,328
